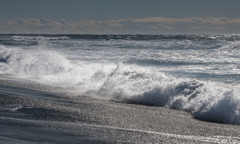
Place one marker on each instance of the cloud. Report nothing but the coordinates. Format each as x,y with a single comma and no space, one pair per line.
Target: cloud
151,25
63,22
203,27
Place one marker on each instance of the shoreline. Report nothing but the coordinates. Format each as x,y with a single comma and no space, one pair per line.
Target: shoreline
93,120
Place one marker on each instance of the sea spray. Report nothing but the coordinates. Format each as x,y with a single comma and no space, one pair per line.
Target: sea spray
204,100
197,74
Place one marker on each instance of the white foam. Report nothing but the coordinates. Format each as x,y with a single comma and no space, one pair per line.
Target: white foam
11,107
231,45
36,38
209,101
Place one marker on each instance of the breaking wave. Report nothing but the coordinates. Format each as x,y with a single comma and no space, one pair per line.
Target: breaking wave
232,45
205,100
36,38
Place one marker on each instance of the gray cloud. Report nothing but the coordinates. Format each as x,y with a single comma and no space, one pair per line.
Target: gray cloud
154,25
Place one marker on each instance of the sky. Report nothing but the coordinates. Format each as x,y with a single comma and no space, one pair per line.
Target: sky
120,16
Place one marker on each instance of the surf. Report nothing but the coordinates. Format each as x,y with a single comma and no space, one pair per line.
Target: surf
122,82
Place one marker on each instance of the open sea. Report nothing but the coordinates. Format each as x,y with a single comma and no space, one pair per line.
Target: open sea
43,75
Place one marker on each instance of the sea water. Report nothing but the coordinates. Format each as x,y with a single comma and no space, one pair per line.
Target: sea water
199,74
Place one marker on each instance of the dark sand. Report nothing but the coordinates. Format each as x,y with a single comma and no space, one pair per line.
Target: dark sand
41,117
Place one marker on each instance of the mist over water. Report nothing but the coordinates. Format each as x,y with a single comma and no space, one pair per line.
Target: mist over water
199,74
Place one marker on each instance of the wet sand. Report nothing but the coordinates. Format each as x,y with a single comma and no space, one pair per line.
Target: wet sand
31,116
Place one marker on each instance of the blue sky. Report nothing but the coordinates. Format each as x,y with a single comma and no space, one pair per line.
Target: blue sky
120,16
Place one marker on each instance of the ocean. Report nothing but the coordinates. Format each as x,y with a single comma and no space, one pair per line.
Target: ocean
81,88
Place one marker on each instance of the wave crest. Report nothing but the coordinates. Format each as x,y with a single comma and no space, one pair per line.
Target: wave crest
208,101
37,38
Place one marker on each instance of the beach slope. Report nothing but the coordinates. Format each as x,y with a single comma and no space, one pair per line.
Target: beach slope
34,116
